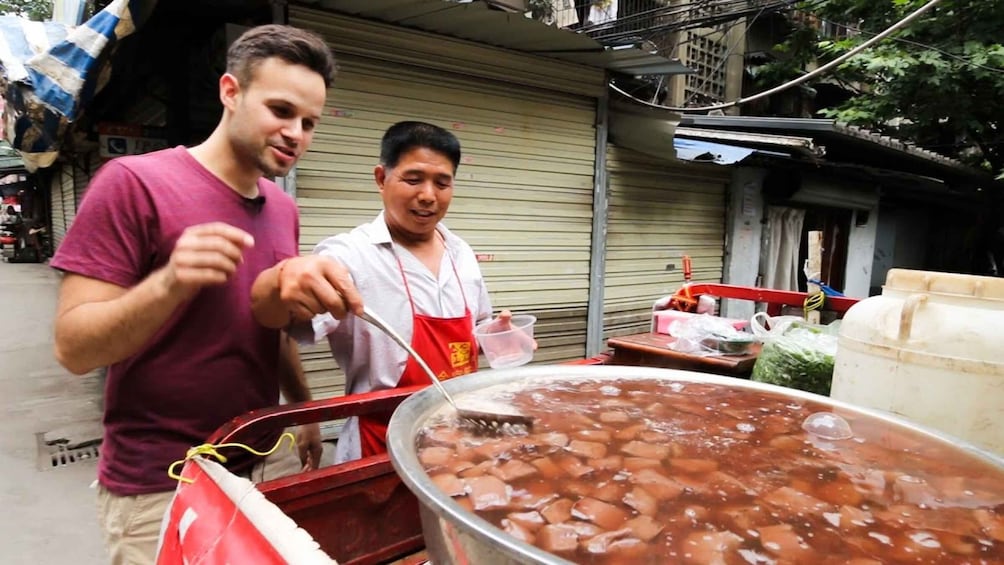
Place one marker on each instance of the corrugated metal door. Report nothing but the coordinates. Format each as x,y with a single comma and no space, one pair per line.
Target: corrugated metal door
70,194
524,188
82,176
62,182
659,211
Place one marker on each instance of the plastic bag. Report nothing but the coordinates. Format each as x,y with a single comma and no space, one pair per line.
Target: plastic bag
795,354
708,335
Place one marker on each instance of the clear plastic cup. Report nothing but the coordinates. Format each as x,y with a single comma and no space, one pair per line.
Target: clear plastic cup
507,345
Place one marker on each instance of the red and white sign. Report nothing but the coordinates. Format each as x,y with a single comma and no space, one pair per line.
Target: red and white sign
219,518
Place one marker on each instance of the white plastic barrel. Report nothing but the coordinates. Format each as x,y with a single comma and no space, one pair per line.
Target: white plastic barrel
929,348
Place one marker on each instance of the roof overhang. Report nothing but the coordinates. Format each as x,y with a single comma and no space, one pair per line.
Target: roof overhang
707,152
850,145
655,133
480,22
648,132
770,144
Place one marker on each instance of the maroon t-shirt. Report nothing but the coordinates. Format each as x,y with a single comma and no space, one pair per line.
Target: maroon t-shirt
211,361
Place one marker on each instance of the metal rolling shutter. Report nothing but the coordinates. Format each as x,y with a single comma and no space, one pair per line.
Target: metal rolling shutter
62,182
524,188
659,211
69,195
82,176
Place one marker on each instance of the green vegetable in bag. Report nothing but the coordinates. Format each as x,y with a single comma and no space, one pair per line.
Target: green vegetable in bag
801,357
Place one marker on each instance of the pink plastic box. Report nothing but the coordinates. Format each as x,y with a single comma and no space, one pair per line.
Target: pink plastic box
664,318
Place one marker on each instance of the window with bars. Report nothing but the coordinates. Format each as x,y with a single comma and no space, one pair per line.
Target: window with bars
707,57
705,9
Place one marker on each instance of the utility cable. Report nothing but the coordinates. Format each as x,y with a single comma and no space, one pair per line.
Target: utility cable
675,18
931,48
808,76
725,59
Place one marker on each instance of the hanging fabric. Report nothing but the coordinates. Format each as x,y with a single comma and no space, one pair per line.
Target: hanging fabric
784,227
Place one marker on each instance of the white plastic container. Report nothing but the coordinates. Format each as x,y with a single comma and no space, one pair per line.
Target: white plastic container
931,349
507,345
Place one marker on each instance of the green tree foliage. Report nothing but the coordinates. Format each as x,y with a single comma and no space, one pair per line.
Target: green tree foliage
938,82
37,10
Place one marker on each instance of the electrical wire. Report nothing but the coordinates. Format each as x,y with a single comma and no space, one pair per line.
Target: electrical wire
931,48
694,36
662,11
721,12
804,78
725,58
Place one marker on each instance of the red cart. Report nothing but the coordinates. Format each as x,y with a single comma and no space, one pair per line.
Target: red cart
360,512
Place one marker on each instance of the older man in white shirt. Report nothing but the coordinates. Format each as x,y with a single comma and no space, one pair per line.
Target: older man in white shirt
405,265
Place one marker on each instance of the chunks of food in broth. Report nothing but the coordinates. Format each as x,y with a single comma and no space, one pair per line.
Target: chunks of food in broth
650,471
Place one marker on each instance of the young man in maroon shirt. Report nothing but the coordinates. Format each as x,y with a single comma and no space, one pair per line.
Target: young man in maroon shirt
158,267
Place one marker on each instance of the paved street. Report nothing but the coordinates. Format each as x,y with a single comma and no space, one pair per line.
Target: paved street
47,516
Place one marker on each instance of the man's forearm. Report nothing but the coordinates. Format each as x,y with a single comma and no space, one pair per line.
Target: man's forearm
292,380
102,332
266,306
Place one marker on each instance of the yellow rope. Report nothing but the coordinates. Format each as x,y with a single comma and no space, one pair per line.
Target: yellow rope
210,449
814,302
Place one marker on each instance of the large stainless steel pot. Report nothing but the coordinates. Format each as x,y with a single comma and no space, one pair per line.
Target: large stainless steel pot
455,536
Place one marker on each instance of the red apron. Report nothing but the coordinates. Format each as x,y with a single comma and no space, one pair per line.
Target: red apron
446,344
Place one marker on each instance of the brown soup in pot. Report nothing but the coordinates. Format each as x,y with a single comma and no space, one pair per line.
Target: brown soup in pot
646,471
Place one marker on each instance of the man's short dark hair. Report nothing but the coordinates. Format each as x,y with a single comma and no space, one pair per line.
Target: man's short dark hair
291,44
405,136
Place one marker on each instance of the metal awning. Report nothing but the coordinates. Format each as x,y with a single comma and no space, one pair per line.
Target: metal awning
706,152
846,144
656,132
799,145
481,23
9,159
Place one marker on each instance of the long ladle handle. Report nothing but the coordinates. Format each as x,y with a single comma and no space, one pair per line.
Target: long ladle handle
371,317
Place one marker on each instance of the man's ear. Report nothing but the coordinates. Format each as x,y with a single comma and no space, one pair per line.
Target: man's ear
230,89
380,175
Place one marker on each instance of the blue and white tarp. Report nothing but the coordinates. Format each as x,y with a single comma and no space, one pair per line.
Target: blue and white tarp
52,71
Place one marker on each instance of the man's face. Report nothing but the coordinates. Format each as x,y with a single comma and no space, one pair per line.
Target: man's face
274,115
416,193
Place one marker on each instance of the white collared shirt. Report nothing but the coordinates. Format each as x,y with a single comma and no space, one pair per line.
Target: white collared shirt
370,359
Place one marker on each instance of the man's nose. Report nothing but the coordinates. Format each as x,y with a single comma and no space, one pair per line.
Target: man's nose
426,191
293,132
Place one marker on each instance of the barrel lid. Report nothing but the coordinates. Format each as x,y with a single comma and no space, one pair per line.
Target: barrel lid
945,283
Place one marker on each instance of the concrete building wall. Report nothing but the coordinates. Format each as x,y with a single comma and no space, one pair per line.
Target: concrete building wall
861,253
900,243
744,234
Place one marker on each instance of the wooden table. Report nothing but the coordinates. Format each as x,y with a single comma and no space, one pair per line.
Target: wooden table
652,350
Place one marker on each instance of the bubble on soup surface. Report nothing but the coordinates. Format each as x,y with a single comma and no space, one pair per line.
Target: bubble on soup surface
827,425
608,390
925,539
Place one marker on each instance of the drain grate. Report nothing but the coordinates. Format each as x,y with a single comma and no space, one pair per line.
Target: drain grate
61,452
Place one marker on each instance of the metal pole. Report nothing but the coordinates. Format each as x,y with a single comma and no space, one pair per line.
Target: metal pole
598,244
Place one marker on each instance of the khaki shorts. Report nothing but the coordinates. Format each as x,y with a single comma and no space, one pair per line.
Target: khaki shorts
131,524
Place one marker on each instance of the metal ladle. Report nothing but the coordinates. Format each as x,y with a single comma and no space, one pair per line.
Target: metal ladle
489,422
